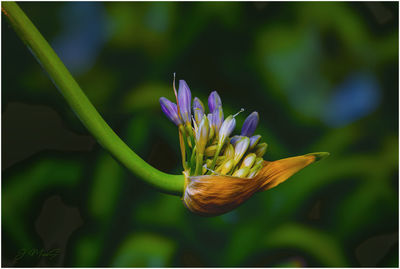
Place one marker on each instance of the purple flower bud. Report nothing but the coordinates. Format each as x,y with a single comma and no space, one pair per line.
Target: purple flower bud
214,101
184,101
210,119
170,110
254,140
217,118
226,129
250,124
235,138
198,110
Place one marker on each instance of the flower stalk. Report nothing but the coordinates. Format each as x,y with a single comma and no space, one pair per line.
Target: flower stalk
75,97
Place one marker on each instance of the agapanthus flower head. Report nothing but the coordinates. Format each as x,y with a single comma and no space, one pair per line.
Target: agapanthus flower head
222,169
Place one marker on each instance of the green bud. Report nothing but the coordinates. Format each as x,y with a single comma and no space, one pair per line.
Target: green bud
258,161
260,149
226,167
249,160
221,159
210,151
254,170
208,162
229,151
241,148
242,172
202,135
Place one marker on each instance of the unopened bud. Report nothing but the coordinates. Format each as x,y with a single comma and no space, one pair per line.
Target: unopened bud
254,141
170,110
240,148
184,101
242,172
254,170
214,101
227,167
249,160
226,129
202,135
235,139
258,161
229,151
221,159
260,149
217,118
210,151
250,124
198,110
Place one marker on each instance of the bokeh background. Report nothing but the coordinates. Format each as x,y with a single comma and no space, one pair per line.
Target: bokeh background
323,76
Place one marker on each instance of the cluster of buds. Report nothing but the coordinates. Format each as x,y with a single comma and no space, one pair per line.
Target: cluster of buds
207,144
223,170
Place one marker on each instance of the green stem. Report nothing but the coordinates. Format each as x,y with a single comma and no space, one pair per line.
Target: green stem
86,112
199,162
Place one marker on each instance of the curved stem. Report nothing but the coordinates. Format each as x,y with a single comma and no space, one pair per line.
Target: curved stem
86,112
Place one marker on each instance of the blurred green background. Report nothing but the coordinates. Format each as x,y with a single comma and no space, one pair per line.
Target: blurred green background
323,76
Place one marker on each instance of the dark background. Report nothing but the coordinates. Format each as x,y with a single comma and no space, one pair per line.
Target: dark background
323,76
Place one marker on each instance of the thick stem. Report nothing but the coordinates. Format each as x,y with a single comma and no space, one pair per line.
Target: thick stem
86,112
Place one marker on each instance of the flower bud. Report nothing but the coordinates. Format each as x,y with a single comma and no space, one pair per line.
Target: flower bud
250,124
254,170
259,160
260,149
202,135
217,118
229,151
184,101
249,160
212,130
198,110
226,129
242,172
210,150
214,101
170,110
235,138
220,160
240,148
254,141
227,167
